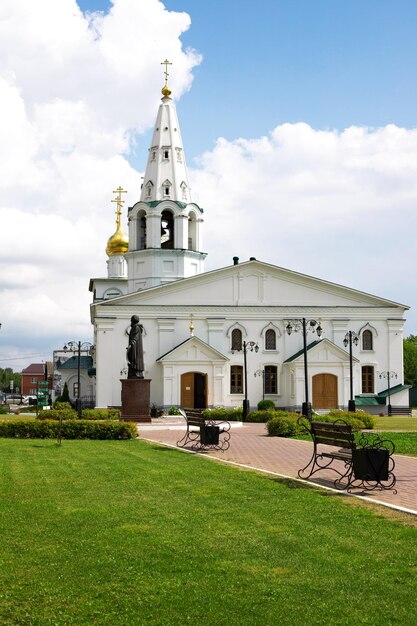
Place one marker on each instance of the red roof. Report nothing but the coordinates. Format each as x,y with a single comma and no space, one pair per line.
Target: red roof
34,369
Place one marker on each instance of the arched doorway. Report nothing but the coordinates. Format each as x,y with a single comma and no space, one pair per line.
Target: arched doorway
194,390
325,391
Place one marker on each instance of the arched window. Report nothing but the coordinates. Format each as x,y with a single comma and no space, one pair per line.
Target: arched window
236,339
368,378
367,340
271,379
236,379
167,230
192,232
270,339
141,231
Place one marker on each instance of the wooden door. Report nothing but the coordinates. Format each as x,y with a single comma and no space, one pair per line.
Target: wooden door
187,390
325,391
200,391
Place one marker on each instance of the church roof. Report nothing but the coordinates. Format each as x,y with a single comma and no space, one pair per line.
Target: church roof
86,362
281,287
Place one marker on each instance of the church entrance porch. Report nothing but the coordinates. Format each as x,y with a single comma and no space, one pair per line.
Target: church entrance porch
194,390
325,391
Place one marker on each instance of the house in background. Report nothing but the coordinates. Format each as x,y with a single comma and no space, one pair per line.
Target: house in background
31,375
69,373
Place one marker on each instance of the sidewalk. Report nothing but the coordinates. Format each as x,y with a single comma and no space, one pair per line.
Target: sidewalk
251,447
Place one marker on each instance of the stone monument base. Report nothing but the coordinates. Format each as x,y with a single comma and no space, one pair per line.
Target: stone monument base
136,393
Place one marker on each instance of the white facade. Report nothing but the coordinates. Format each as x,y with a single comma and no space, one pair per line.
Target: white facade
253,297
192,318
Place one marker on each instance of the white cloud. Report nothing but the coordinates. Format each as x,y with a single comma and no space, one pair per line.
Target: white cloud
337,205
75,90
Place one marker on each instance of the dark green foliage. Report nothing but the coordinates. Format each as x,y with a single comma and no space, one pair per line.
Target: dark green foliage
65,395
260,416
283,427
410,360
221,413
358,420
265,416
6,375
71,429
174,410
264,405
100,414
55,414
3,410
62,405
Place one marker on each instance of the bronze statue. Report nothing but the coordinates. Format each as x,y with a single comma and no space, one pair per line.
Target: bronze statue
135,349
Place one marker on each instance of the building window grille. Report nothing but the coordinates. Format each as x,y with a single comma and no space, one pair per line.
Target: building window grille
367,379
236,379
270,340
236,339
367,340
271,379
75,390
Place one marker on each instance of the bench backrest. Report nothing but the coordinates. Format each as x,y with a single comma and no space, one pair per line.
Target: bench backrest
337,434
194,418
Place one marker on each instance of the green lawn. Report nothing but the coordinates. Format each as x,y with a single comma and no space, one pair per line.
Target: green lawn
396,423
129,533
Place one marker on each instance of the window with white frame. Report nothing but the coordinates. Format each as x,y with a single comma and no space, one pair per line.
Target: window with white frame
270,339
236,379
236,339
271,379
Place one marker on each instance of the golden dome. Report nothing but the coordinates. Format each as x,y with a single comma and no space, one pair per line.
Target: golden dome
117,243
166,91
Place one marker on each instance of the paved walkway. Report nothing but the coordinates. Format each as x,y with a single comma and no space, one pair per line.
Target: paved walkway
251,447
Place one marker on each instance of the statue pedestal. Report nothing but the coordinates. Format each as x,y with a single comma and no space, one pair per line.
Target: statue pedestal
136,393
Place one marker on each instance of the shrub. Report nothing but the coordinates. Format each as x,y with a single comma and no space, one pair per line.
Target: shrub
260,416
66,406
3,410
65,395
222,414
174,410
358,420
265,405
71,429
282,427
55,414
100,414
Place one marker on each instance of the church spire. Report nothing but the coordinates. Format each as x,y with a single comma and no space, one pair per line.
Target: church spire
166,176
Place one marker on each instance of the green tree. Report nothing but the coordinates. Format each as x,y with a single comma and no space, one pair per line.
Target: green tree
410,360
6,375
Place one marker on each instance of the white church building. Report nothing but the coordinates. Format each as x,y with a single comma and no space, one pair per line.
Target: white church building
197,323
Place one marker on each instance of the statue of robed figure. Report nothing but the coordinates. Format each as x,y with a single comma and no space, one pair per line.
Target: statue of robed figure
135,349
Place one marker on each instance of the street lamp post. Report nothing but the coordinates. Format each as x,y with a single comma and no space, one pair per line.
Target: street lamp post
247,345
314,327
78,347
388,375
351,337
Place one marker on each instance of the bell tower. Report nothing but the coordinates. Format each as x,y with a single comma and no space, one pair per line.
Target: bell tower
165,238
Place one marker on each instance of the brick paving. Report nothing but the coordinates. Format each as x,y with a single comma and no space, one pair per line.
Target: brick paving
250,446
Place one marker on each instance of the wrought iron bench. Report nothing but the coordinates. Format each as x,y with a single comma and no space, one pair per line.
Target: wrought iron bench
204,433
400,410
366,464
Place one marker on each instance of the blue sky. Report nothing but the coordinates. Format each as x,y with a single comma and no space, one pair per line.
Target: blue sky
299,125
329,63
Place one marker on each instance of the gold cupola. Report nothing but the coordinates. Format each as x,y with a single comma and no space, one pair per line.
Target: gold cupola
118,243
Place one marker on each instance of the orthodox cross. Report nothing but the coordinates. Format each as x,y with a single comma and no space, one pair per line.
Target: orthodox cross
166,63
119,201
